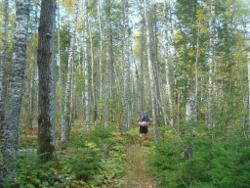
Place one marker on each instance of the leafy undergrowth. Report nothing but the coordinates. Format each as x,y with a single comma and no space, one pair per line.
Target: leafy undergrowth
82,164
223,163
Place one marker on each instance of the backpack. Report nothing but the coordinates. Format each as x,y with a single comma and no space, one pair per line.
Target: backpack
144,117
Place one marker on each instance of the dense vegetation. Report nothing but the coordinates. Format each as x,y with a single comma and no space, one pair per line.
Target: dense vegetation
221,163
76,74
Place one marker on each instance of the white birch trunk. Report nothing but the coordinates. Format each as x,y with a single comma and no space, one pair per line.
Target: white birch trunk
126,85
3,50
151,71
166,57
191,115
65,128
100,57
142,101
248,66
93,79
15,90
59,44
86,65
211,63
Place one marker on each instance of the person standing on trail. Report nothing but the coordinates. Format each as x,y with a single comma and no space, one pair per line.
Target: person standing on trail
144,122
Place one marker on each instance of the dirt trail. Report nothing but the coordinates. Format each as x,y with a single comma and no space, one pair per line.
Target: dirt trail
138,175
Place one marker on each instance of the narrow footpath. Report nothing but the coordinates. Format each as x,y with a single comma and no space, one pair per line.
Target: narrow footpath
138,175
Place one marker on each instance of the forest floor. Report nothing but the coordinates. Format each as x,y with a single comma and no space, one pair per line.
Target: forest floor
137,173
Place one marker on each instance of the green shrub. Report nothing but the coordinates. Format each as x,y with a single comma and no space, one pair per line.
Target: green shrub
83,164
33,174
223,164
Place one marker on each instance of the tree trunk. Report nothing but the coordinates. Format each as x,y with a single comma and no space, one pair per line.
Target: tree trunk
142,71
86,66
65,128
151,72
248,66
32,94
166,57
15,90
58,59
100,59
211,63
93,78
191,115
45,61
3,63
126,85
174,60
112,95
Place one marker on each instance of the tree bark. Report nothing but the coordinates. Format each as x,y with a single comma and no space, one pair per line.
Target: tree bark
100,59
15,90
45,61
93,76
65,128
142,71
248,66
126,85
167,67
151,72
3,63
86,66
211,63
112,95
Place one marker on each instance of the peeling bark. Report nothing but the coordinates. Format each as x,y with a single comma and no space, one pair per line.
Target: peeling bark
15,90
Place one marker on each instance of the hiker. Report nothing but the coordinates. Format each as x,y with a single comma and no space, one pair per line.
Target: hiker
144,122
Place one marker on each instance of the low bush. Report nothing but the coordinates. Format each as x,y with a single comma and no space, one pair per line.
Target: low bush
225,163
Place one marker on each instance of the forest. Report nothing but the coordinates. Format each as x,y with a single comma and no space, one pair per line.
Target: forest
125,94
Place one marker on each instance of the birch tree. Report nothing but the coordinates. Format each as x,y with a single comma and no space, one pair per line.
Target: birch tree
3,61
45,61
93,77
150,69
65,128
211,63
166,57
100,55
110,59
86,66
248,69
126,87
15,90
142,71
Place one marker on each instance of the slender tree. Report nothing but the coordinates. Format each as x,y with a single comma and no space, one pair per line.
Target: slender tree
211,63
150,69
65,128
45,61
3,62
126,89
93,75
15,90
248,68
110,58
100,55
86,66
166,57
